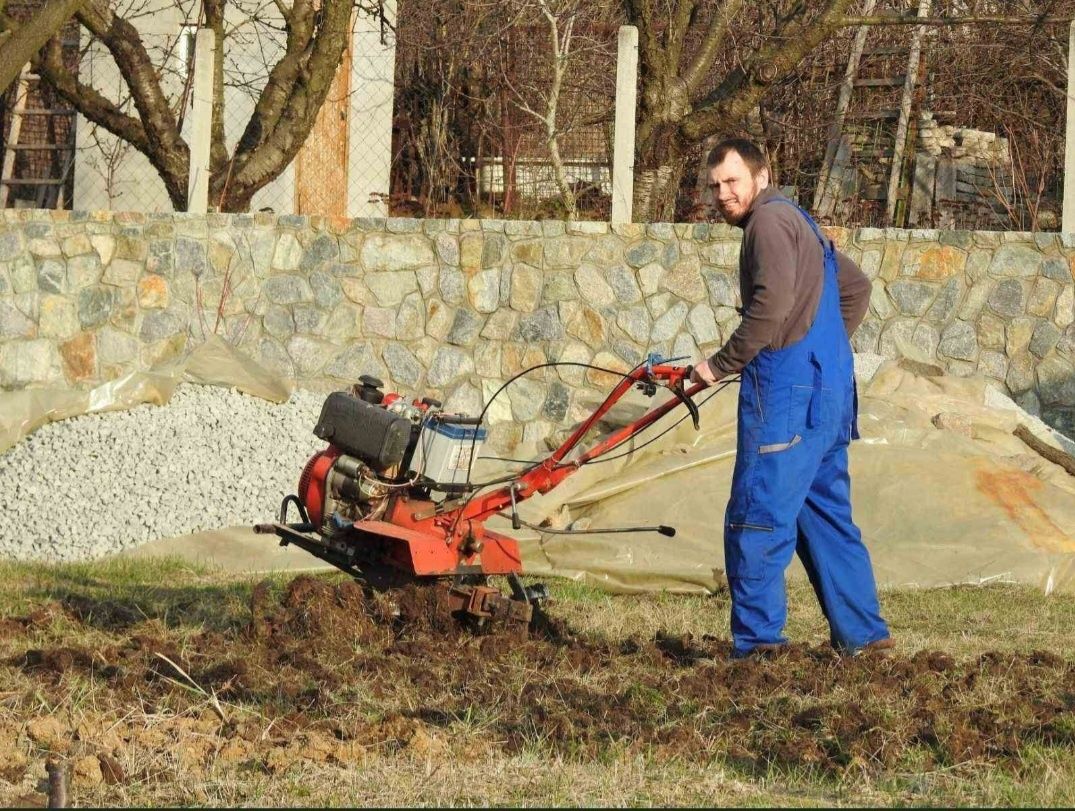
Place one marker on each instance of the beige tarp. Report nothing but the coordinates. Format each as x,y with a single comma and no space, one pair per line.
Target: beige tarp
935,506
215,362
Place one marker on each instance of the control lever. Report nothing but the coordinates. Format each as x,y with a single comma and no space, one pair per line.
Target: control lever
681,393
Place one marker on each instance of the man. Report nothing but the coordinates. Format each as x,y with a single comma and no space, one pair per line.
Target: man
797,409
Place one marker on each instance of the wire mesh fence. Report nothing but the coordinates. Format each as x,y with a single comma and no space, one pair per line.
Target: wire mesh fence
506,108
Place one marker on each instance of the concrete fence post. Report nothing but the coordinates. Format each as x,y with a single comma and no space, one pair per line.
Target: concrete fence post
1068,216
623,150
201,120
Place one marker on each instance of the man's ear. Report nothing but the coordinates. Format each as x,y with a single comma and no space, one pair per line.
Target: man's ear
763,179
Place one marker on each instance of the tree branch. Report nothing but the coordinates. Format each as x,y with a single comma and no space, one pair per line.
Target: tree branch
714,36
740,93
166,149
88,101
851,22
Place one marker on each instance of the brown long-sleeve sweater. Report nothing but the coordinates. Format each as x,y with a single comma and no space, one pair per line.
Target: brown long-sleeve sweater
780,276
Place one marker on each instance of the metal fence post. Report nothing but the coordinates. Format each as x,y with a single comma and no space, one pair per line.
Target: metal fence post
201,121
1068,217
623,150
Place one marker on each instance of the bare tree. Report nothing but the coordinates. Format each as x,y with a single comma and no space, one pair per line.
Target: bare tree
705,65
314,35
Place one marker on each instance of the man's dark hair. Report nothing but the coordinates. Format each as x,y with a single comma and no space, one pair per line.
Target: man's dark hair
747,150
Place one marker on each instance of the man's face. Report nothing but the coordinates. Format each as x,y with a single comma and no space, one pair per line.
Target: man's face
734,188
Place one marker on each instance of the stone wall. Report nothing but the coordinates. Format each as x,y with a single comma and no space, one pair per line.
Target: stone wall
453,308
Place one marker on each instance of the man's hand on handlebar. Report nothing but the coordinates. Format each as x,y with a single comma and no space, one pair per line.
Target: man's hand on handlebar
703,373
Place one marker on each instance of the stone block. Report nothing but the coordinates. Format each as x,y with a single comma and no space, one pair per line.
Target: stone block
80,358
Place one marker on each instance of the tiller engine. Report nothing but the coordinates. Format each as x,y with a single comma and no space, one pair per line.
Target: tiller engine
390,500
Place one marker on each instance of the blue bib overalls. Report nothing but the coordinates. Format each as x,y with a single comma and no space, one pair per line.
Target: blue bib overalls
790,489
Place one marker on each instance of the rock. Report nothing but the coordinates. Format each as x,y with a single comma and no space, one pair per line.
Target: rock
684,280
395,252
403,366
122,272
665,328
1046,335
1042,298
24,363
190,255
945,304
356,360
644,253
465,328
954,422
326,289
541,325
379,321
911,298
1020,375
1064,313
939,263
494,249
153,292
13,324
1008,298
959,341
449,364
483,289
160,324
565,252
287,289
624,284
557,402
593,288
723,290
635,322
1056,381
525,288
57,318
993,364
1016,260
1019,332
447,248
389,288
322,250
115,347
527,397
452,285
95,305
703,325
588,326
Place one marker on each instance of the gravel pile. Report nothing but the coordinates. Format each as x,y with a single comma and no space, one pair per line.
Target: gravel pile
93,485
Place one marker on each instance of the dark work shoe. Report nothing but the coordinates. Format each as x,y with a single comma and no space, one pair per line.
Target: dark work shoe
765,650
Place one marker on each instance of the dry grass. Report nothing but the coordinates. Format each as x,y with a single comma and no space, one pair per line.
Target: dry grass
170,744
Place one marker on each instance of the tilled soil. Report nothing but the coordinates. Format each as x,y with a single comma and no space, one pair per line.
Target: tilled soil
327,673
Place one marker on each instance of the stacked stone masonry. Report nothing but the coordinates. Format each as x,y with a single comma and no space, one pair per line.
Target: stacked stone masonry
452,308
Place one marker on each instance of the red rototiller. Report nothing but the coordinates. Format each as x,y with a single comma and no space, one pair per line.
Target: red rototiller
390,500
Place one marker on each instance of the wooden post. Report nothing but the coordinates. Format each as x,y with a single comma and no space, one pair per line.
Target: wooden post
623,149
201,121
905,115
1067,224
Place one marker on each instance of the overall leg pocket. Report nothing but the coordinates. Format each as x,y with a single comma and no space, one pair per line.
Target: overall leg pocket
746,548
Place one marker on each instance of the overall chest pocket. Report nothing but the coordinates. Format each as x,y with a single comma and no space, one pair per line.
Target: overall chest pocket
792,414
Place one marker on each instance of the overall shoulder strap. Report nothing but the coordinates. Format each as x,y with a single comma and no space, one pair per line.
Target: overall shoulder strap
826,245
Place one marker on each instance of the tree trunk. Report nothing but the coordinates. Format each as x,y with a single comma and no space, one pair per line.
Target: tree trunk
662,160
25,40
